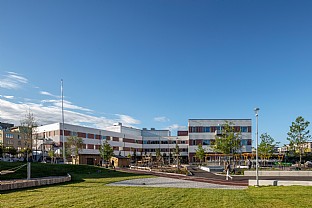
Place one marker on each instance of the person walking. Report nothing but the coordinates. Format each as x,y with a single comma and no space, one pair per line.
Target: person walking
249,164
228,170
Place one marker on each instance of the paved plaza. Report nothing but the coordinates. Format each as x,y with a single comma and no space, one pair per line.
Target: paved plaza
172,183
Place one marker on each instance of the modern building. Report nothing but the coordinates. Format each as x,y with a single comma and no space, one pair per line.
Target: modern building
145,142
204,131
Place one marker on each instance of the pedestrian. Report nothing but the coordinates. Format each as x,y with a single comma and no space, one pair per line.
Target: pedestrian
113,164
249,164
228,169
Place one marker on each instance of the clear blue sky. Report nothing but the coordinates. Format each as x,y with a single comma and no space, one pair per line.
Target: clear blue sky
157,63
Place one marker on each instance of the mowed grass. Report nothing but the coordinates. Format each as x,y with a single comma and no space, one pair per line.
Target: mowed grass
88,189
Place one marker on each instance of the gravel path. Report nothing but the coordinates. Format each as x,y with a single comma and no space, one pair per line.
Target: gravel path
171,182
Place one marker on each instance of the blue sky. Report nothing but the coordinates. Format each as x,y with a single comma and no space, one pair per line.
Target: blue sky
157,63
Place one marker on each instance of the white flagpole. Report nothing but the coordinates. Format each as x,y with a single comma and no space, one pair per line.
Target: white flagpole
63,133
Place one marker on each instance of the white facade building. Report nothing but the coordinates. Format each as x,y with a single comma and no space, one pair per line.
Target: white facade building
125,140
204,131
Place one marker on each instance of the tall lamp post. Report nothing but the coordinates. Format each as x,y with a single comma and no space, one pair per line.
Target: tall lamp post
257,163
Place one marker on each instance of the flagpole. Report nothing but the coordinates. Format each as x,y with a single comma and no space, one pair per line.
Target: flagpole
63,133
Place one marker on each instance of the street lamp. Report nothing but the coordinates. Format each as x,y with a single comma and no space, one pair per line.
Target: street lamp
257,163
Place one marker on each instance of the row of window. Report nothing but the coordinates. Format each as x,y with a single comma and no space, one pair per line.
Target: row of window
164,142
208,129
172,150
243,142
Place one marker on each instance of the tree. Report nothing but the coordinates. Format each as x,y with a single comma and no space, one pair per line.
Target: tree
106,152
228,142
158,156
1,150
298,136
266,146
135,156
51,154
200,153
28,125
177,154
74,146
25,152
11,150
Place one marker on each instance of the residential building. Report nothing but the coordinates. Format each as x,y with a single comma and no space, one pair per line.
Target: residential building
13,137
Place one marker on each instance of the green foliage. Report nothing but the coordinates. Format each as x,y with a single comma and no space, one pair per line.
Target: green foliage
298,135
106,151
229,140
11,151
74,145
177,150
158,154
266,146
200,153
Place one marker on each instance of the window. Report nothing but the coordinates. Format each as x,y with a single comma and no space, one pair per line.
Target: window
244,142
206,142
144,141
206,129
244,128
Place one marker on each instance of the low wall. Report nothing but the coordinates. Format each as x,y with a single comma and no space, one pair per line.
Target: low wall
17,184
212,168
279,173
279,183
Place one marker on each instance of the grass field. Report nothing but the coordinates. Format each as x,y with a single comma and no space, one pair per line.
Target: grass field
88,190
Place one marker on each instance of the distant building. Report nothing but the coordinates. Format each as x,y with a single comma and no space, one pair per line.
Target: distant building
4,126
127,140
13,137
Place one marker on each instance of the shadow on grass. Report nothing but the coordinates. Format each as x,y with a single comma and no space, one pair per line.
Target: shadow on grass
78,172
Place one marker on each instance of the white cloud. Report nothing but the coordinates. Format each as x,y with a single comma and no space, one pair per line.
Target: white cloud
161,119
12,80
13,112
7,96
47,93
49,110
66,105
176,127
127,120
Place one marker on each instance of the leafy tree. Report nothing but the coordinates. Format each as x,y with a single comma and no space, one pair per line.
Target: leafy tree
135,156
11,151
266,146
74,146
177,154
200,153
28,125
158,156
51,154
298,135
25,152
106,152
228,142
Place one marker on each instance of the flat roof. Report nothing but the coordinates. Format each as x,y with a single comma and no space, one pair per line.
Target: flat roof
219,119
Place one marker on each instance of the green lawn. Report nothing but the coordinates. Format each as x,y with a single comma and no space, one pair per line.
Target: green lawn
88,190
